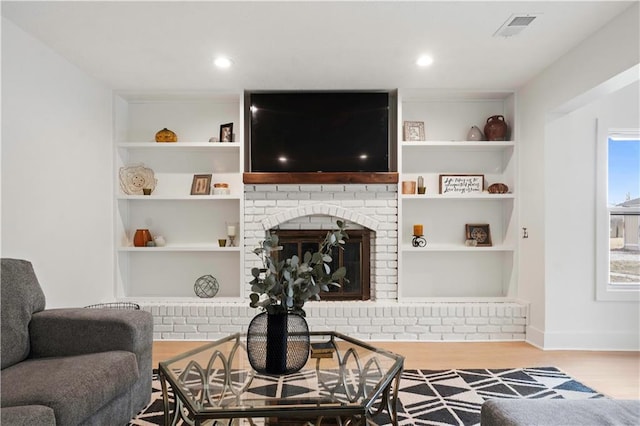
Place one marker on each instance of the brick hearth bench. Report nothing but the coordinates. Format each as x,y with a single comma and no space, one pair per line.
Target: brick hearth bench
601,412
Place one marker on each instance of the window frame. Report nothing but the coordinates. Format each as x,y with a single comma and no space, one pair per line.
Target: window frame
605,290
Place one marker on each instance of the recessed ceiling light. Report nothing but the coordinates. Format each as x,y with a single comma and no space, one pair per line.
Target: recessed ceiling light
424,61
222,62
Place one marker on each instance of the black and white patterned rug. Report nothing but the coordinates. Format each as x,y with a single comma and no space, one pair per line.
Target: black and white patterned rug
447,397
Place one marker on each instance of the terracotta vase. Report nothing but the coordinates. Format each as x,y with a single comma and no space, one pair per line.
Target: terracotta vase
141,237
496,128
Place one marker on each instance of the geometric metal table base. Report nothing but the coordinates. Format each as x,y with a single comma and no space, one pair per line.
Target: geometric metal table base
351,386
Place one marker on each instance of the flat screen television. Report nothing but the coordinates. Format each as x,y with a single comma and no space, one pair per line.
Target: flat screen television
319,132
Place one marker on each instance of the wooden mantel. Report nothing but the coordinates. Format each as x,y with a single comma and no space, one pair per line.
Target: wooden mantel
320,177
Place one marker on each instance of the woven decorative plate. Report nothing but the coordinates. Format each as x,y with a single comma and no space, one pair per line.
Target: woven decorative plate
136,177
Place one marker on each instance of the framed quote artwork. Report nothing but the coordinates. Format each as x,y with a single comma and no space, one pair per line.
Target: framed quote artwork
460,184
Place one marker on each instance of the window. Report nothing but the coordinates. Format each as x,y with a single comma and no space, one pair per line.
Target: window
618,218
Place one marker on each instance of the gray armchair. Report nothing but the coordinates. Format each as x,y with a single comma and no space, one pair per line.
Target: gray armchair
69,366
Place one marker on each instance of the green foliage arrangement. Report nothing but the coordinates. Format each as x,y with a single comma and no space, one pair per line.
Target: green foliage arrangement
289,283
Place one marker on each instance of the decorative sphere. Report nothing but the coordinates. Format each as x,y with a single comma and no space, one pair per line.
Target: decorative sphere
206,286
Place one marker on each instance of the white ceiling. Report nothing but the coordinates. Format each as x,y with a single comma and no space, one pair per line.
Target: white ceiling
166,45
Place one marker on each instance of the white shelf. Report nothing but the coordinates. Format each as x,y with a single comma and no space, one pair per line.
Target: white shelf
181,247
179,145
481,196
460,144
455,247
153,197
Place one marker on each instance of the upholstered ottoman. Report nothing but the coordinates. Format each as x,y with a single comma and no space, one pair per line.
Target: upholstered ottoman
587,412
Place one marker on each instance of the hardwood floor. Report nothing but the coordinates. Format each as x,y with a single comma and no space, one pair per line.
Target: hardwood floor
615,374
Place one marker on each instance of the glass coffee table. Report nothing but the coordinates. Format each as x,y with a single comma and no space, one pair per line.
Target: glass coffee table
351,383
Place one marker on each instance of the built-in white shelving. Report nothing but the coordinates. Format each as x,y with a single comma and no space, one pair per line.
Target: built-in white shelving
445,268
190,224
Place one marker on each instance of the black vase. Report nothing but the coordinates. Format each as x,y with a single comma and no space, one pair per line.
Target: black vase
278,343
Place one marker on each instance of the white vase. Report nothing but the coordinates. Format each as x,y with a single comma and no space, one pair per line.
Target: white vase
475,134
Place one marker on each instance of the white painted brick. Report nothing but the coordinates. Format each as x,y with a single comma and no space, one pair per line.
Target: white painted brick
174,320
429,337
452,321
476,336
338,321
370,329
519,336
265,188
321,196
417,329
162,327
477,321
441,328
489,328
464,329
406,336
405,321
513,328
209,328
520,321
383,336
501,336
173,336
392,329
195,336
333,188
184,328
155,310
500,321
359,321
452,337
197,320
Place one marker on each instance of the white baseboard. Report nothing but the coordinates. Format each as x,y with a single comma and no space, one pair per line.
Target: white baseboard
589,341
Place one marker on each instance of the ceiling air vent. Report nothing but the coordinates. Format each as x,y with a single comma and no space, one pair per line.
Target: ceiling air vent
515,24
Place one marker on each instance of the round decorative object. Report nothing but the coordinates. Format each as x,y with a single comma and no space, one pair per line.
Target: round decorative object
479,234
475,134
135,178
498,188
496,128
278,343
166,135
206,286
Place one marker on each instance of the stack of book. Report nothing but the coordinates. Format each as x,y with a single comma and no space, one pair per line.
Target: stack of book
322,350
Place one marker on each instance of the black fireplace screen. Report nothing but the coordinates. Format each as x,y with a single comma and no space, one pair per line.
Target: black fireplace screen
355,257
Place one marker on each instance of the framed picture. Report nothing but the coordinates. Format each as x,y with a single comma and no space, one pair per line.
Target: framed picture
413,131
226,132
480,233
201,185
460,184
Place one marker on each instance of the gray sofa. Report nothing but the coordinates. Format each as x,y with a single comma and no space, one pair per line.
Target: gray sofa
69,366
562,412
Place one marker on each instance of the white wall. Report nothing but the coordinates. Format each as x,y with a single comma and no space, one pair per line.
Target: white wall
573,317
609,52
56,171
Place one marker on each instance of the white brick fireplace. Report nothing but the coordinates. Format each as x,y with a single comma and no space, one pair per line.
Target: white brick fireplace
373,207
317,206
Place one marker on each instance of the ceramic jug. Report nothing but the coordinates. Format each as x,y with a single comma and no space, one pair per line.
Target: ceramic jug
475,134
496,128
